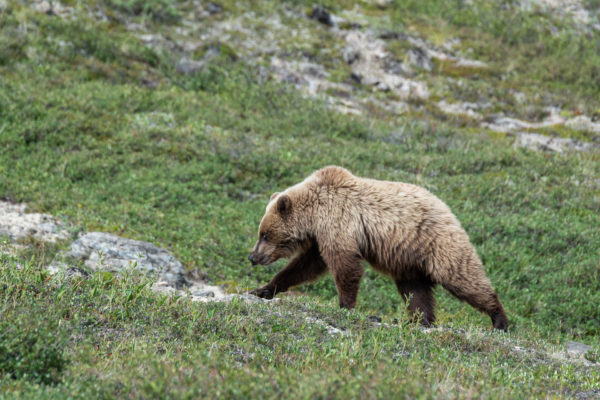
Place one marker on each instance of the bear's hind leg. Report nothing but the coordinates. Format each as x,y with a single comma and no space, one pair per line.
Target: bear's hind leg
480,295
419,295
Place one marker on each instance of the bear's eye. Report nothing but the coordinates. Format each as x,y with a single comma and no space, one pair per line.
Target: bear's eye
263,236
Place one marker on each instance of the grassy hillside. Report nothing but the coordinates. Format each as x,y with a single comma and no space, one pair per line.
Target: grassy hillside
106,132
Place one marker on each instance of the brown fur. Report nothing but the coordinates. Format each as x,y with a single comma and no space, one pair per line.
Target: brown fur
333,220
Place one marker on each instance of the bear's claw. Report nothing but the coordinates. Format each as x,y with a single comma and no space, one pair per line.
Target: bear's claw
265,293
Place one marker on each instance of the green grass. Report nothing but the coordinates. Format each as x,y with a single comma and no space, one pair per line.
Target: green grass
189,162
530,51
157,10
120,339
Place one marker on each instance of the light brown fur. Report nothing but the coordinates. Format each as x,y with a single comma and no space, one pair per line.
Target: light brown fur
333,220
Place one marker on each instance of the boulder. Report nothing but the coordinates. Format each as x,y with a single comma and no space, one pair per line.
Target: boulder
105,251
576,349
17,223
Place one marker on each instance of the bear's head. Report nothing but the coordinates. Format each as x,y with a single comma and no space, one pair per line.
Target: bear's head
279,233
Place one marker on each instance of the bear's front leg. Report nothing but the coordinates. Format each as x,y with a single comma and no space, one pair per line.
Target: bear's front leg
305,267
347,271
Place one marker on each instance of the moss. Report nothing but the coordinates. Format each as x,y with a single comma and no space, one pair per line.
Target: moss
454,69
398,48
223,51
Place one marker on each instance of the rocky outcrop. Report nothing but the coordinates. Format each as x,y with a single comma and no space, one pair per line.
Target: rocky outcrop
525,134
52,7
536,141
360,55
18,224
372,65
583,18
101,251
467,109
583,123
105,251
578,350
502,123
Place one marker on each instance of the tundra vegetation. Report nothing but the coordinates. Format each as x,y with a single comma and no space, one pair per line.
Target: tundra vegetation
172,122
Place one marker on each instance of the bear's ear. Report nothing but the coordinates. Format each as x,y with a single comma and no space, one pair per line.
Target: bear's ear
284,205
273,196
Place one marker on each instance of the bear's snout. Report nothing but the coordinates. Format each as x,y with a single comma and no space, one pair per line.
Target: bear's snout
258,257
252,259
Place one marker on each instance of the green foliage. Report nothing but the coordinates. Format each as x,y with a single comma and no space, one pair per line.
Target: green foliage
12,44
531,48
32,342
121,339
190,165
158,10
102,131
31,350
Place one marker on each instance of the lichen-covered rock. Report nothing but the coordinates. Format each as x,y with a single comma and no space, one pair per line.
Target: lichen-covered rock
501,123
467,109
197,291
536,141
588,395
105,251
51,8
575,10
576,349
583,123
17,223
205,293
189,67
370,62
322,15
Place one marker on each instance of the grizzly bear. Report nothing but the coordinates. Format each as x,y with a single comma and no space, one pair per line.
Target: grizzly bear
333,220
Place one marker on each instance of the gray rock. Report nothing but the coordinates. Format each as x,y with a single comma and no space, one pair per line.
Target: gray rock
369,59
577,349
214,8
322,15
189,67
149,37
467,109
66,271
536,141
198,291
17,224
164,288
583,123
501,123
104,251
76,272
374,318
589,395
204,293
401,354
52,7
418,57
247,298
575,10
383,4
423,54
472,64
